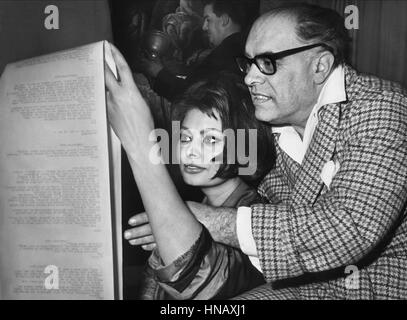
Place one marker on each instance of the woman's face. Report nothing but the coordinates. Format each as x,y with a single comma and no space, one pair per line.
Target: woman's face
201,141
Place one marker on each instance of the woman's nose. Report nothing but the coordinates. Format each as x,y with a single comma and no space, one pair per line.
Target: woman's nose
194,150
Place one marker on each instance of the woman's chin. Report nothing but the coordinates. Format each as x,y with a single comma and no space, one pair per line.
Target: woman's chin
191,180
201,182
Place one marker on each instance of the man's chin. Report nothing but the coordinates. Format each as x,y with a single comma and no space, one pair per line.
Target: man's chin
263,116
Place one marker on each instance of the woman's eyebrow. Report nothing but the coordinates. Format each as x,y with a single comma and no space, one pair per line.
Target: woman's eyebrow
210,129
202,131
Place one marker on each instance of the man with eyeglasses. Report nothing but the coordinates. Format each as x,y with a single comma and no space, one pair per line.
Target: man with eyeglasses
335,225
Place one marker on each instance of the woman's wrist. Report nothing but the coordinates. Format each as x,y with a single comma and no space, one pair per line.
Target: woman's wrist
145,155
147,161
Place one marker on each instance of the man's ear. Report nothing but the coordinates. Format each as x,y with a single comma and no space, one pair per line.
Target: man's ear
225,19
323,66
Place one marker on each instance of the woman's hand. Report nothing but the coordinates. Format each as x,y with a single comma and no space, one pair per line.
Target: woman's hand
128,113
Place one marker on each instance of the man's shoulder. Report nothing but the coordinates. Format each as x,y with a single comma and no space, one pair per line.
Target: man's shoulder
223,57
230,47
367,87
373,101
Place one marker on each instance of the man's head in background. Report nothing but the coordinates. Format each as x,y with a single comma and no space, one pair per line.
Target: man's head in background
285,87
223,18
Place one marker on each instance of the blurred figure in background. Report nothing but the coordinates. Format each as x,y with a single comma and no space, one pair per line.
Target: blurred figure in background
224,23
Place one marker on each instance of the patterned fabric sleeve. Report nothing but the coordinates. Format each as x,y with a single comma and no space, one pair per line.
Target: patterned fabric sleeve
366,199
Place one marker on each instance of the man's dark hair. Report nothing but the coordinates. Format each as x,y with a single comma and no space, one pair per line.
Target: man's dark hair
318,24
242,12
229,96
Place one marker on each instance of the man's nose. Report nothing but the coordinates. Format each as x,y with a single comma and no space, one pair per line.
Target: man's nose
253,76
205,26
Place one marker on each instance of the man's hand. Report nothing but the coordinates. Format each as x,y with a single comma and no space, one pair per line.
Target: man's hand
220,222
140,234
128,113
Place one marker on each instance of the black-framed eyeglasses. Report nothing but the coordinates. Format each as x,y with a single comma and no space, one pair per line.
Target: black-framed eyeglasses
266,62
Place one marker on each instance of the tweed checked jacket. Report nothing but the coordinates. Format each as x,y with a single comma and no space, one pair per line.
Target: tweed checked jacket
309,233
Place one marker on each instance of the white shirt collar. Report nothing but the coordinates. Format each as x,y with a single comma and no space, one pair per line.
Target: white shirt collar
334,88
289,140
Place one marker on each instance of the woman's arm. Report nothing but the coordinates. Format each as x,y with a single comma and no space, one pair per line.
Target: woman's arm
220,222
174,227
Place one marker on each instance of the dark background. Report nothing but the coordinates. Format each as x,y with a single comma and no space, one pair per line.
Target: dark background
379,46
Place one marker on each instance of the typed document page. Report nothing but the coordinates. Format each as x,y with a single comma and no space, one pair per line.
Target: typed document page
58,239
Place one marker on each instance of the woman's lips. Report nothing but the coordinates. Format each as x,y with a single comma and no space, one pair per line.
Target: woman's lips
189,168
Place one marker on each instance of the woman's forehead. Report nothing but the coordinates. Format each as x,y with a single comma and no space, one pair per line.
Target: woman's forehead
199,120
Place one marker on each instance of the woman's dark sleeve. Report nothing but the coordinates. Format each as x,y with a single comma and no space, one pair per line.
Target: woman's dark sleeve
209,270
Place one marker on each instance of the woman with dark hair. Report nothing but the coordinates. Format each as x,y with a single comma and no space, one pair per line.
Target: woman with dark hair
227,96
209,152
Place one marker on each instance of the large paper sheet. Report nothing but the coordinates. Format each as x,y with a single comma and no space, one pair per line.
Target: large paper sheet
57,235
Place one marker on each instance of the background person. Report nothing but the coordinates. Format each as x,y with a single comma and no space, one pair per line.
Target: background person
224,24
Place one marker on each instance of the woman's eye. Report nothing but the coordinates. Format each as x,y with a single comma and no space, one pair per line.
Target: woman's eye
184,138
211,139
